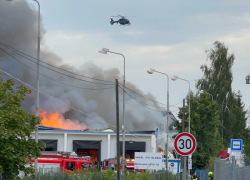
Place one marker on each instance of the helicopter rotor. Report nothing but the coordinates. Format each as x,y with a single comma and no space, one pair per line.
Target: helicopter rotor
122,16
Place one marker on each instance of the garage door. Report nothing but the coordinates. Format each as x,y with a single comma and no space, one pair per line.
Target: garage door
88,148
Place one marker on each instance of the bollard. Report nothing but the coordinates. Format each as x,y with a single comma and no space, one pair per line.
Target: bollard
63,172
101,172
215,170
52,173
39,173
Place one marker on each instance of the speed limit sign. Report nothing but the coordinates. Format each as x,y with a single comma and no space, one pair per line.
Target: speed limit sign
185,144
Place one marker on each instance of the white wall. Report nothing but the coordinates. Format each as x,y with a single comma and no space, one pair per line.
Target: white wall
54,136
59,136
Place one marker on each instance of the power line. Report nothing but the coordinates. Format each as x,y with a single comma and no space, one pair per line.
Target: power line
73,107
21,54
138,101
57,72
55,98
142,95
150,99
65,103
176,104
69,105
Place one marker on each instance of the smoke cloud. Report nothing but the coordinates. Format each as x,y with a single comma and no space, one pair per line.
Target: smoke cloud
18,29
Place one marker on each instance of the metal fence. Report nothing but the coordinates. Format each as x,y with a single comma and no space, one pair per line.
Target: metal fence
226,170
55,174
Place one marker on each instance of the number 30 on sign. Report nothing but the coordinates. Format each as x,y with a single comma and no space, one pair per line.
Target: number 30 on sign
185,144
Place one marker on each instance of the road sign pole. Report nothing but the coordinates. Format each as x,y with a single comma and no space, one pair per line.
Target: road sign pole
185,144
185,169
117,131
189,165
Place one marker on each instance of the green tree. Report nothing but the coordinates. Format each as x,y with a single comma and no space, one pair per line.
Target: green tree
16,126
217,80
246,149
205,125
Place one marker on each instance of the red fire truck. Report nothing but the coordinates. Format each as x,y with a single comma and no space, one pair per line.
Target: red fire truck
66,163
223,154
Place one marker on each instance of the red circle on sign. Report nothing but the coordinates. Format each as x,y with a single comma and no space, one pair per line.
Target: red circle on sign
191,137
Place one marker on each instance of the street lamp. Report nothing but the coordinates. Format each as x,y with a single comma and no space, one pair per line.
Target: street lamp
151,71
202,91
37,81
105,51
174,78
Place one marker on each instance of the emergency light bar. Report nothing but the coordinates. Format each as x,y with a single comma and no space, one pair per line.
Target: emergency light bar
74,155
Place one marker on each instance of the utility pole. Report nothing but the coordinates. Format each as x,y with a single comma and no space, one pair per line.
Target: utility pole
222,122
183,117
222,131
37,78
183,130
117,131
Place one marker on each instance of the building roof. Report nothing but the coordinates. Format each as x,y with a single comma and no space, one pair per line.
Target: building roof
52,129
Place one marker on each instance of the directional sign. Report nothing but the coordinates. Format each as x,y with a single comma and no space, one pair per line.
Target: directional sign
185,144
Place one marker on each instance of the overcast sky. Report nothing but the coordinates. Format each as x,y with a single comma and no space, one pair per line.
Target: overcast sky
170,36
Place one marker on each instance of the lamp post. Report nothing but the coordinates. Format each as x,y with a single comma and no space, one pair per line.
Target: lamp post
202,91
105,51
151,71
37,81
174,78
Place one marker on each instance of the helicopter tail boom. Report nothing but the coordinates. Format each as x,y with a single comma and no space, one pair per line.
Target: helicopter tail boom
112,21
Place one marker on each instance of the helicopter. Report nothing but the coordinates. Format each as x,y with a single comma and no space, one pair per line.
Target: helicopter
123,21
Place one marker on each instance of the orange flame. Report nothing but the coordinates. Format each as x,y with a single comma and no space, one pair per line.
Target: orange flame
54,120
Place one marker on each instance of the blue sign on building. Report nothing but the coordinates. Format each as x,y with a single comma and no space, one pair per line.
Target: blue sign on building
236,144
174,166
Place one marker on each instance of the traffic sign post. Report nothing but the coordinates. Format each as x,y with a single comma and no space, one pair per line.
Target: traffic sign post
236,144
235,149
185,144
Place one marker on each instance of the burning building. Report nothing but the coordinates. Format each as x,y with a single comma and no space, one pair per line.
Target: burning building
99,145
